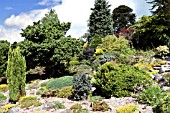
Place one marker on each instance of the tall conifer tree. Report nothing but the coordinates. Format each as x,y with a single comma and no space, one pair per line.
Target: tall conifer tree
16,74
100,21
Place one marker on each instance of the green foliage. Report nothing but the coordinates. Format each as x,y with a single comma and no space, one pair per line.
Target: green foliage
2,97
122,17
49,27
59,105
3,88
94,98
151,32
101,60
72,63
158,7
16,74
40,90
112,43
96,40
81,86
77,108
162,51
60,82
65,92
151,96
78,69
49,93
100,21
100,106
130,108
163,106
98,52
45,44
3,56
66,48
28,101
119,80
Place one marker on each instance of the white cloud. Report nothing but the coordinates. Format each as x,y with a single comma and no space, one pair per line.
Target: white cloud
75,11
10,34
8,8
24,19
50,2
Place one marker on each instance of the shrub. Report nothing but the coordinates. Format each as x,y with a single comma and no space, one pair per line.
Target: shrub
2,97
8,106
98,52
151,95
112,43
130,108
96,40
72,63
40,90
65,92
119,80
28,101
77,108
49,93
60,82
162,51
81,86
163,106
100,106
3,87
59,105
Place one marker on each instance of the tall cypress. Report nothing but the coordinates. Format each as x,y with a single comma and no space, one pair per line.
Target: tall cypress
16,74
100,21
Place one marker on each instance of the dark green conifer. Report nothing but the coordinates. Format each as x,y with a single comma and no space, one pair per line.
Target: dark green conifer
100,21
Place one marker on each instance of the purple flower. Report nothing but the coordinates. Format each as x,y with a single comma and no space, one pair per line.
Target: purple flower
140,88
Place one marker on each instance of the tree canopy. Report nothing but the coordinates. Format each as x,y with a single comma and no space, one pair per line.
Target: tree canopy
100,21
5,45
122,17
45,43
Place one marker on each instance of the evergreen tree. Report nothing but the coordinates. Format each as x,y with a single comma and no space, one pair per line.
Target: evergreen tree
158,6
122,17
16,74
100,21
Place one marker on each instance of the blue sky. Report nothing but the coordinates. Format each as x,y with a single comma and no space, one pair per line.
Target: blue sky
17,14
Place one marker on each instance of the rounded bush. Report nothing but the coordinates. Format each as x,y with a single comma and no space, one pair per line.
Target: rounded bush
65,92
120,80
130,108
61,82
82,86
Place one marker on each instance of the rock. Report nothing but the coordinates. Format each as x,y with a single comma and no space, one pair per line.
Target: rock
66,111
165,88
15,110
157,77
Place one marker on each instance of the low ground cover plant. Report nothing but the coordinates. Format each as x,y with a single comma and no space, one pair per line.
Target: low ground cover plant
151,96
60,82
28,101
130,108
